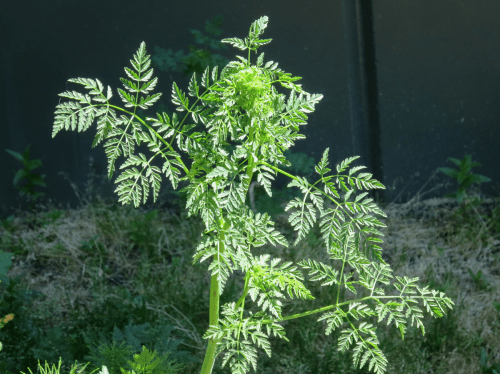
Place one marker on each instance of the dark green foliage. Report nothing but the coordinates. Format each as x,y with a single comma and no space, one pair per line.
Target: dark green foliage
147,364
142,232
480,282
25,341
130,340
22,334
485,369
464,179
33,180
198,59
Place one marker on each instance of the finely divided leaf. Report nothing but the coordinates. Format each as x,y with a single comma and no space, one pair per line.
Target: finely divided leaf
193,89
265,178
303,219
179,98
236,42
344,164
320,271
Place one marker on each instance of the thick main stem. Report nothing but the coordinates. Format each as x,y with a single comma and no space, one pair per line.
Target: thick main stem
208,361
213,319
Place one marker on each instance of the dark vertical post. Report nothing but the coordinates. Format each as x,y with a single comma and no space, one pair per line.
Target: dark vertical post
13,113
363,92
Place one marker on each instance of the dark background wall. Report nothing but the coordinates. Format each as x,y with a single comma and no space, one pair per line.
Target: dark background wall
438,73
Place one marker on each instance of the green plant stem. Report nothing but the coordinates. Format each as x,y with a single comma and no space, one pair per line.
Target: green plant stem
241,300
325,308
209,359
340,278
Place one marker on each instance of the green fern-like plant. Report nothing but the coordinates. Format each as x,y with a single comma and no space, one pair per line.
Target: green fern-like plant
242,103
